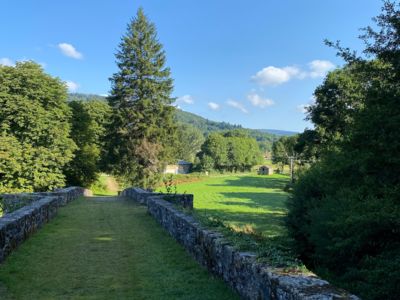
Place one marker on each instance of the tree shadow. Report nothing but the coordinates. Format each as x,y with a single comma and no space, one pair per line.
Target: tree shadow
255,181
270,201
269,224
269,219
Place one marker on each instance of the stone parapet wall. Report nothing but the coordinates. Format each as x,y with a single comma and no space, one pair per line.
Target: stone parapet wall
137,194
142,196
17,226
240,270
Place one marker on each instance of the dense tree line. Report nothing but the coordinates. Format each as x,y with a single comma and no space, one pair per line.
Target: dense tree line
230,151
284,149
90,119
263,138
189,141
345,212
85,97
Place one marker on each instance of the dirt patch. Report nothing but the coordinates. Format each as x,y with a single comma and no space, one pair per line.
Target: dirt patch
111,184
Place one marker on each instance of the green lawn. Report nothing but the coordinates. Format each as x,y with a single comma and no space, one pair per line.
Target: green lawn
249,210
99,248
254,200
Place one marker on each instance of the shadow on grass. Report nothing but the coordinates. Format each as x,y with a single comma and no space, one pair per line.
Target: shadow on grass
269,224
255,181
104,195
270,201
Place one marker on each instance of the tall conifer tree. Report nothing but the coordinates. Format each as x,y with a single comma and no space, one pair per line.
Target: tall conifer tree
142,130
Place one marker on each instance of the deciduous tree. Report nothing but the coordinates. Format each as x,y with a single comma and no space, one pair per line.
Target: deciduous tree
34,129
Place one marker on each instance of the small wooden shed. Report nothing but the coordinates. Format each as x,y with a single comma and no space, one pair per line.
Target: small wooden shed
265,170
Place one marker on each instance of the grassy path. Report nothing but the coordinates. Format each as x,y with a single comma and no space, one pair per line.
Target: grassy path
105,248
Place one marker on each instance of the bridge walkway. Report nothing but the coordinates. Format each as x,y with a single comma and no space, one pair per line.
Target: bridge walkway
105,248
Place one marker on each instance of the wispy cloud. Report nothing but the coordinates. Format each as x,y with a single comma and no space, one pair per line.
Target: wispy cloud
319,68
72,86
258,101
237,105
272,76
187,99
70,51
5,61
213,105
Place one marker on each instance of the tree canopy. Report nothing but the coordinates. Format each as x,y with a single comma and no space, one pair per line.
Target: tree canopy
90,119
231,151
344,213
34,129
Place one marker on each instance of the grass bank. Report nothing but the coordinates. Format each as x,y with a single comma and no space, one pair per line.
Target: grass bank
105,185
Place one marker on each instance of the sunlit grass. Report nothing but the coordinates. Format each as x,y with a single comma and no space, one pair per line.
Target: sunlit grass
105,185
242,200
249,210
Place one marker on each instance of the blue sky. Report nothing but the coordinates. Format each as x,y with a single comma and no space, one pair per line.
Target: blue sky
254,63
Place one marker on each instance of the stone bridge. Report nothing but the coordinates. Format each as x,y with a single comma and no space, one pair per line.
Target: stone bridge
112,247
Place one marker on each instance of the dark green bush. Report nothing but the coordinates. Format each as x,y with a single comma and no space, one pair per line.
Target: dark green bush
349,232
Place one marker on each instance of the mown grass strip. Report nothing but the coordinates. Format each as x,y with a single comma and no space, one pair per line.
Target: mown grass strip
97,248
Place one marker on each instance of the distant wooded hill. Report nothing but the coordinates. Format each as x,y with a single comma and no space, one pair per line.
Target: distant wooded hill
206,125
279,132
265,137
85,97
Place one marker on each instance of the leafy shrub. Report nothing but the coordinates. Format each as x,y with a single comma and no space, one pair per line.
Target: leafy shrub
348,232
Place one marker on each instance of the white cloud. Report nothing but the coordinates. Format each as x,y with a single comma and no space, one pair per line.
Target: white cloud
185,99
70,51
72,86
259,101
273,76
319,68
6,62
213,105
303,108
237,105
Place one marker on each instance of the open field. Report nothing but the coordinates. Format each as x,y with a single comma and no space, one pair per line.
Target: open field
254,200
103,248
249,210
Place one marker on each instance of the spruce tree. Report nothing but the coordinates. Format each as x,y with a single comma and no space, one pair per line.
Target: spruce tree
142,129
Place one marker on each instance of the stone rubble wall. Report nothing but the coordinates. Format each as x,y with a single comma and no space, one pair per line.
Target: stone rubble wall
17,226
142,196
240,270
